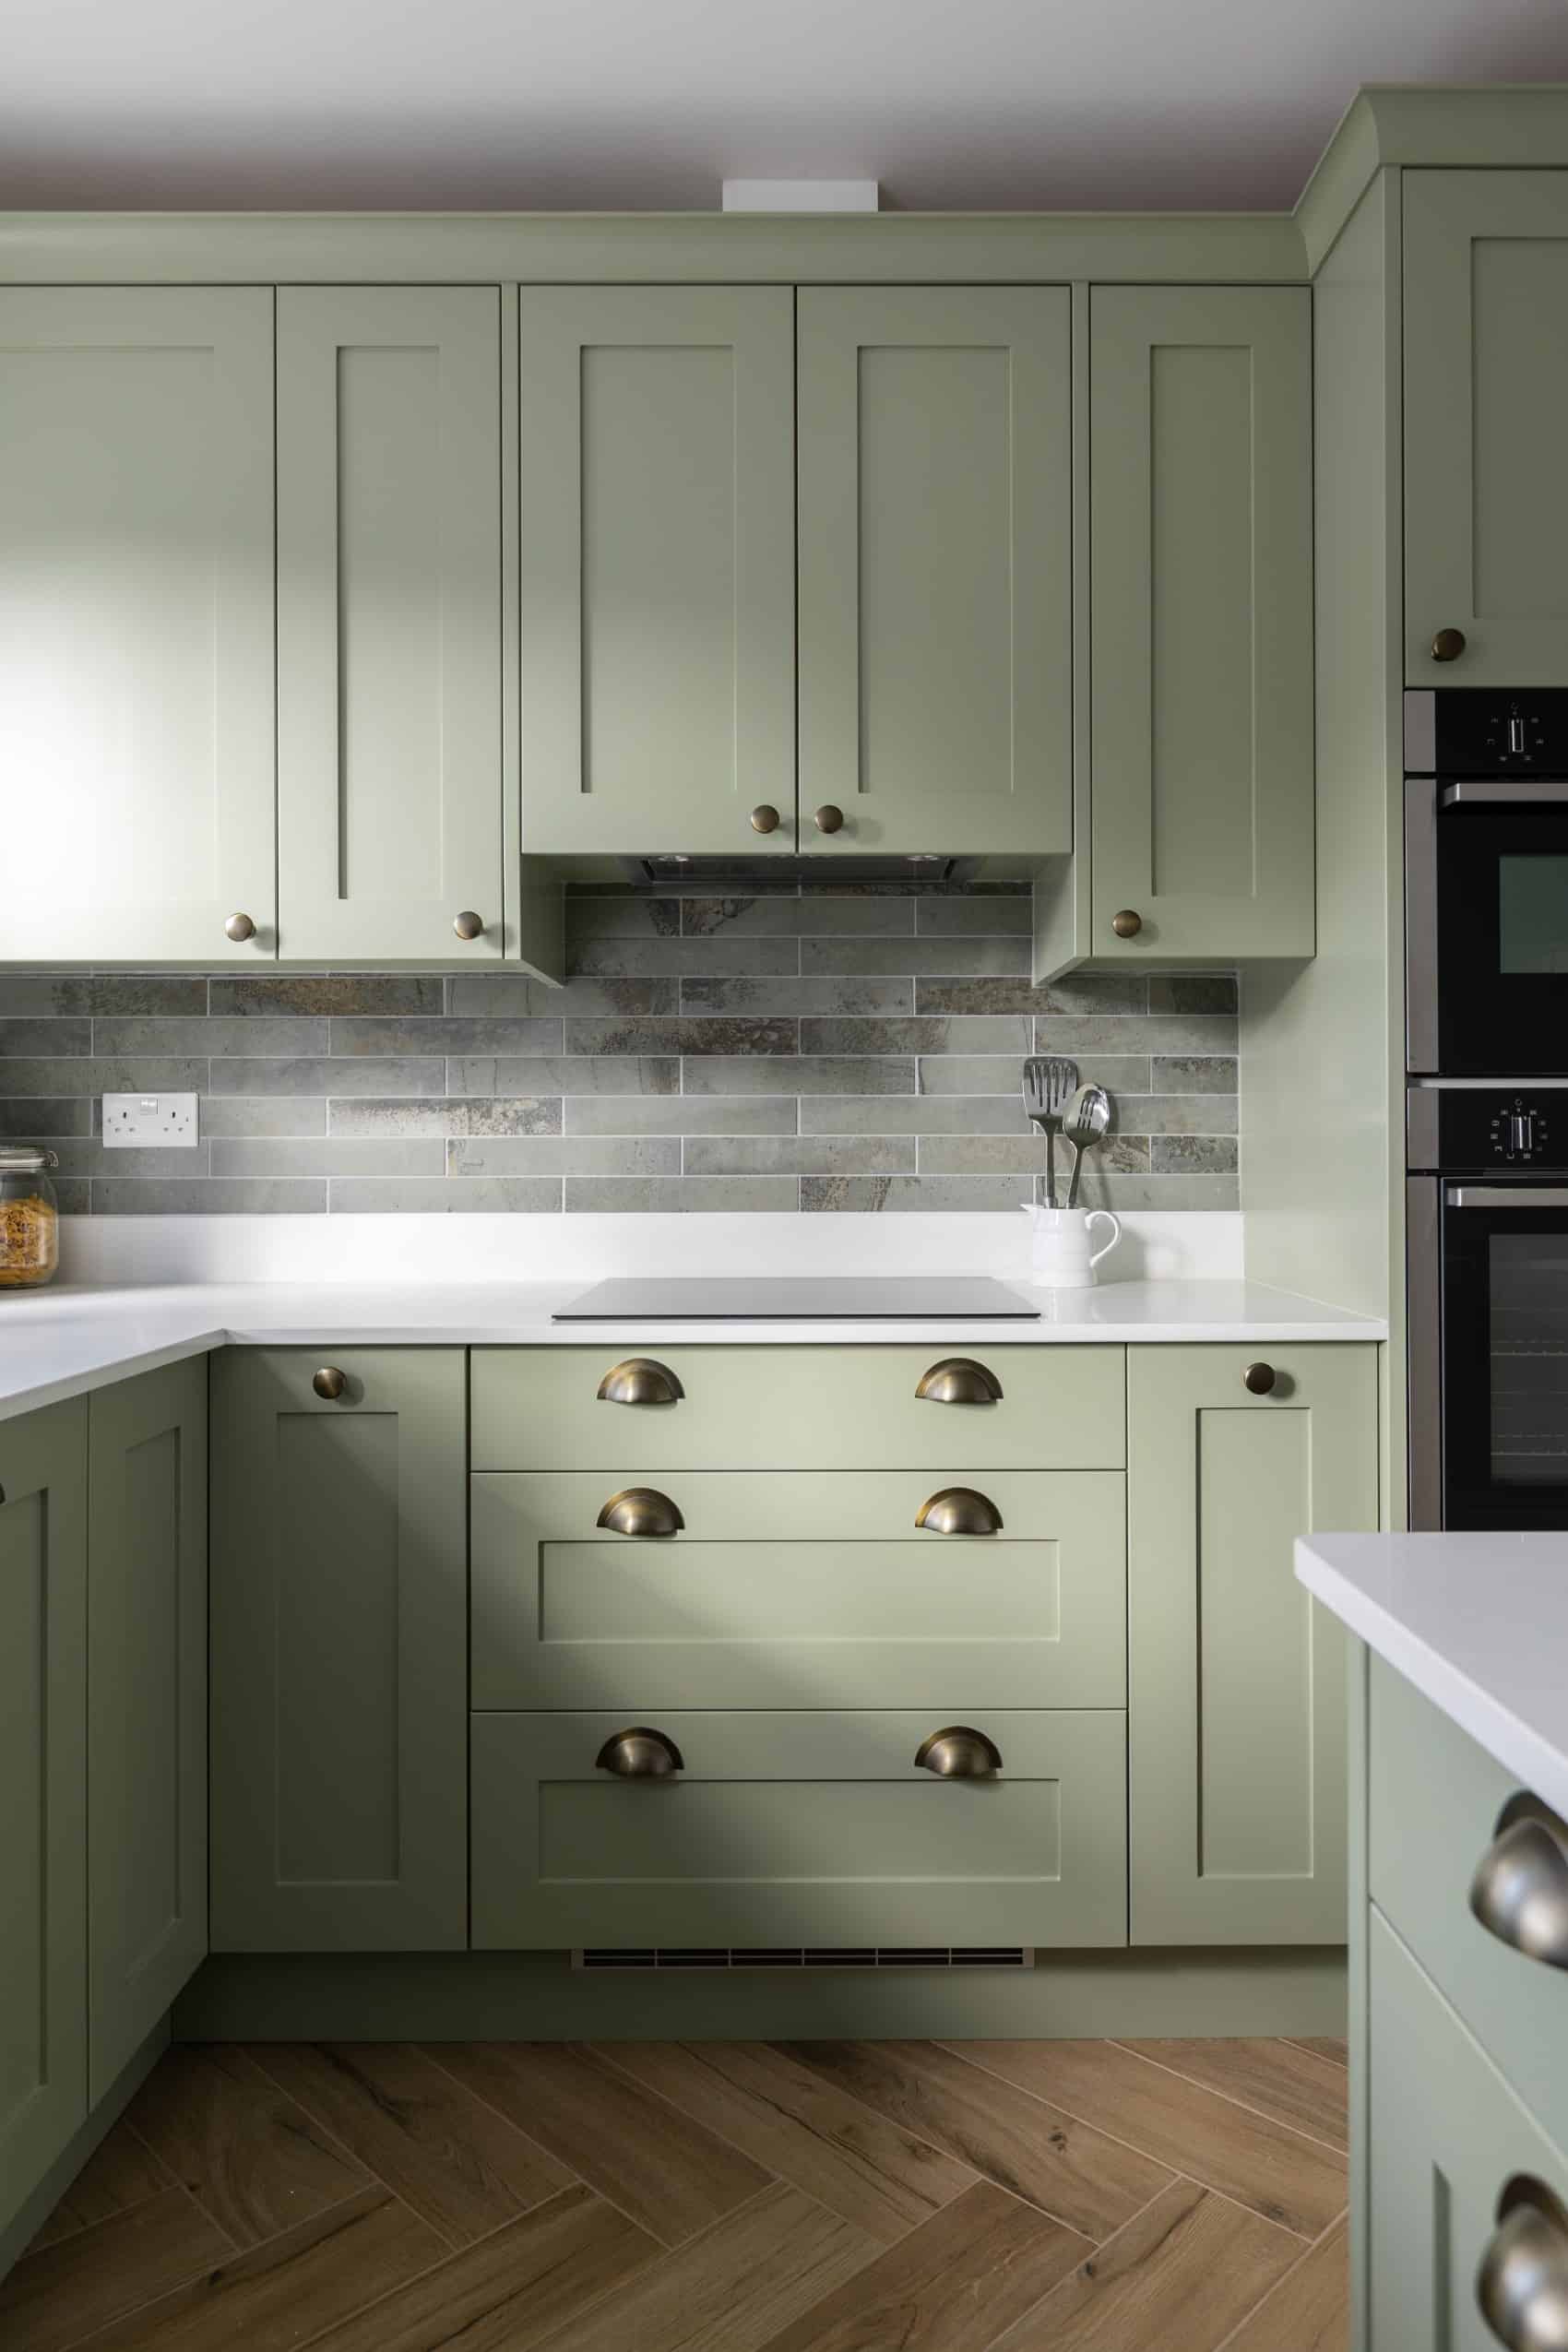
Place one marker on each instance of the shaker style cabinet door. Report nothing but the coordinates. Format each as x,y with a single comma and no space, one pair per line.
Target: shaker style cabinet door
936,554
340,1673
1485,390
1236,1678
137,653
656,569
1201,631
389,622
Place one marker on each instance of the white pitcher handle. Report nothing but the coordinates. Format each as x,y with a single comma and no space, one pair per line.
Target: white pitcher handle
1115,1224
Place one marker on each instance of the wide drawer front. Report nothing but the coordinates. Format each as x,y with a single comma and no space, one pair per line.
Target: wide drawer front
798,1408
1435,1800
790,1589
796,1829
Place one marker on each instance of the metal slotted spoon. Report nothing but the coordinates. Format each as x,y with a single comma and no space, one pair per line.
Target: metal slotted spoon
1048,1088
1085,1122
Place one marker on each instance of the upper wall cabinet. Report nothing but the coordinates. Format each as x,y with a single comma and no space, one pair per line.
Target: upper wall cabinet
1486,391
1201,620
137,648
935,563
390,808
656,569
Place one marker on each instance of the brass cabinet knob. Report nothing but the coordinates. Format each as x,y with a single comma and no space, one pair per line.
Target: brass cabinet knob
959,1379
468,925
959,1753
1127,924
240,928
641,1381
329,1383
1448,645
959,1510
1259,1379
640,1753
829,819
765,817
1522,2281
1520,1890
641,1511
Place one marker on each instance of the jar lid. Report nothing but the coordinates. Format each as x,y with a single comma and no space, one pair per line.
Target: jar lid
25,1159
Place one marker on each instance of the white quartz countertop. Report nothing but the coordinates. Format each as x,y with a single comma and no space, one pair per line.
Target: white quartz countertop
1478,1623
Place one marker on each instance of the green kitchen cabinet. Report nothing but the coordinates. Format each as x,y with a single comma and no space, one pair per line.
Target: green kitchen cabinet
657,581
1486,387
1201,622
1236,1676
390,652
137,659
338,1645
43,2055
147,1726
936,457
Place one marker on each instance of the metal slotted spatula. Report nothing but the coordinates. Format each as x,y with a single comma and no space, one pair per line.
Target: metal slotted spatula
1049,1082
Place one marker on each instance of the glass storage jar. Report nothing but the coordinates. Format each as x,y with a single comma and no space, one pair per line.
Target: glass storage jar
29,1221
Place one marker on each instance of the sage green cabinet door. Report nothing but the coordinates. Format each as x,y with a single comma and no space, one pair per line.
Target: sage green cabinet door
1201,632
389,620
340,1681
136,659
936,554
658,573
147,1727
1486,389
43,2094
1236,1676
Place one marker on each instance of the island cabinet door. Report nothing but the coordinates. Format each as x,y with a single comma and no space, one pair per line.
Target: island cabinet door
1236,1678
340,1773
42,1792
936,556
1486,389
146,1730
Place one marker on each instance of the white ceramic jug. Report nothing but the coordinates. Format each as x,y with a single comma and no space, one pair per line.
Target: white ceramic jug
1062,1259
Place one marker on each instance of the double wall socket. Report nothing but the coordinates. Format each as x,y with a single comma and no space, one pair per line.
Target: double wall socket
143,1122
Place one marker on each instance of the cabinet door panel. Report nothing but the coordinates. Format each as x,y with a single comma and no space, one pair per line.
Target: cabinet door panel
658,573
389,619
1202,616
1237,1678
935,551
137,659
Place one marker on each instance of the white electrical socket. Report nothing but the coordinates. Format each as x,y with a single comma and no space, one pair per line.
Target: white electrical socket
143,1122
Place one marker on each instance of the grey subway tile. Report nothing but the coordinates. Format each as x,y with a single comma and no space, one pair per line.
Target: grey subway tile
922,958
798,1156
974,918
822,993
997,1034
1177,1114
720,1034
1193,1074
1092,992
857,918
444,1196
486,995
420,1075
916,1114
1114,1190
680,1114
87,993
1193,1156
622,914
1004,1073
87,1155
40,1117
261,1033
653,1195
986,1155
564,1073
325,993
564,1156
661,958
1193,993
1116,1033
386,1156
814,1074
54,1035
372,1034
166,1075
759,917
207,1196
450,1115
73,1195
286,1115
912,1193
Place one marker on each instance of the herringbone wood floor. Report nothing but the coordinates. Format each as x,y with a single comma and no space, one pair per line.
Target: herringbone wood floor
1165,2196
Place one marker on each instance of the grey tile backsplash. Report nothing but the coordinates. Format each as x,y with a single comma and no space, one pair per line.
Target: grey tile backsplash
858,1050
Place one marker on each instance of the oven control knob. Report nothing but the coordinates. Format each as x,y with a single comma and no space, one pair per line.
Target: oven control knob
1519,1133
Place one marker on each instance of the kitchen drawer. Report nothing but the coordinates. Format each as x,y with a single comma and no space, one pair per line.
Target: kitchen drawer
1436,1799
799,1829
798,1408
799,1590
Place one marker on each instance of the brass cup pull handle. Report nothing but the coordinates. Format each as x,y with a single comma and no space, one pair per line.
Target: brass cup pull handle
1522,2279
829,819
641,1381
641,1511
1259,1380
959,1752
239,928
765,817
1448,645
959,1379
468,925
959,1510
640,1753
330,1382
1520,1890
1128,923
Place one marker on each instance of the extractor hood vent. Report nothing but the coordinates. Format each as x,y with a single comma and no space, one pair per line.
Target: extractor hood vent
668,1957
761,874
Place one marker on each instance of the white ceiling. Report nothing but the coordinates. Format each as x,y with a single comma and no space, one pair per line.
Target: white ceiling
647,104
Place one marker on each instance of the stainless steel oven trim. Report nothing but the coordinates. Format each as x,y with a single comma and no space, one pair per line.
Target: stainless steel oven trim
1421,731
1421,1142
1420,923
1523,791
1423,1341
1522,1196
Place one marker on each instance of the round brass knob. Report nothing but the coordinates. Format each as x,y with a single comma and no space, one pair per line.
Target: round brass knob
959,1379
641,1381
641,1511
959,1510
1259,1379
640,1753
1520,1890
329,1383
239,928
468,925
1127,924
829,819
1522,2281
765,817
959,1753
1448,645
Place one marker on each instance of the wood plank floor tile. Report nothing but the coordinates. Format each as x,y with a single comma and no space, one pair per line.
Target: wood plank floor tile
1294,2086
665,2172
120,2172
61,2293
954,2285
1310,2309
1176,2279
512,2289
1055,2160
792,2122
251,2160
1285,2178
285,2293
456,2161
1323,2046
733,2289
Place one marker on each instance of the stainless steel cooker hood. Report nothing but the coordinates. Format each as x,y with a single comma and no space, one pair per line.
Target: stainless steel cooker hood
756,873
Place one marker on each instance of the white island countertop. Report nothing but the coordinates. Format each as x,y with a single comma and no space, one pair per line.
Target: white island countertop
1478,1623
65,1341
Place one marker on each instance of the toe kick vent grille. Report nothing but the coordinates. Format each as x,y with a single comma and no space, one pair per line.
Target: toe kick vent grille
935,1955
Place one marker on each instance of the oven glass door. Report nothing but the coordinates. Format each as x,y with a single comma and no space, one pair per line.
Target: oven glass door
1505,1355
1503,937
